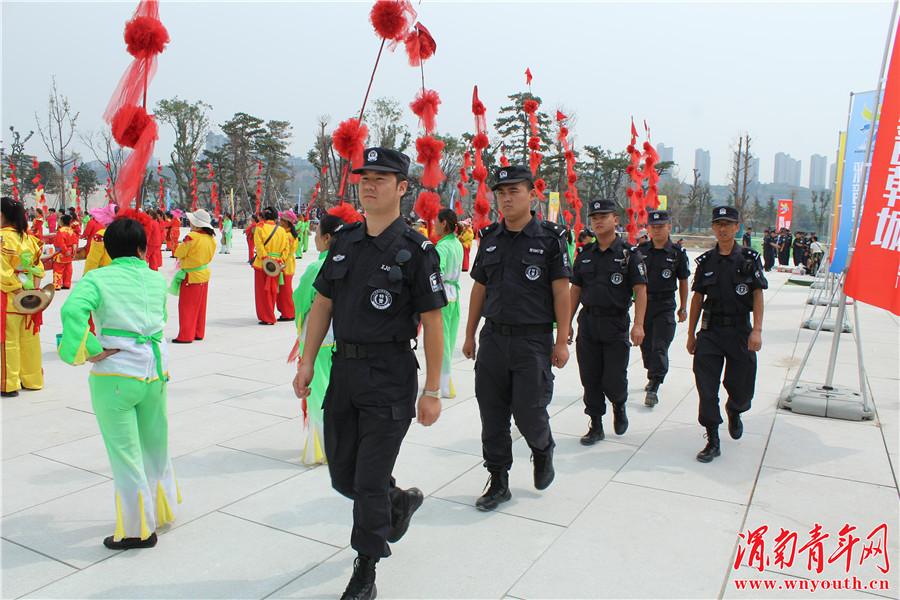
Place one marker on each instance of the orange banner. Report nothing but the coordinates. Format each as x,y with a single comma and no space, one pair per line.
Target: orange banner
874,274
785,214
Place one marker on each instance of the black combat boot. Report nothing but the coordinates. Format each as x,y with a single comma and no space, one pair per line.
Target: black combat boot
543,468
594,433
362,582
711,450
735,425
652,399
620,419
403,504
497,491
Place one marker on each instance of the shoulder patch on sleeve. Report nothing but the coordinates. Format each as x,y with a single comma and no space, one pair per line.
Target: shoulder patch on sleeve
558,230
418,239
702,258
486,230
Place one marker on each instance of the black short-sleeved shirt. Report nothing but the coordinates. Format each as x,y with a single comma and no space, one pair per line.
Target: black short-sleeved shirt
518,270
607,277
370,306
727,282
666,266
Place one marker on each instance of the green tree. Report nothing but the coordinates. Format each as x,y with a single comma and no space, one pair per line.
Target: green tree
386,127
513,128
602,175
271,146
190,121
242,131
22,162
88,182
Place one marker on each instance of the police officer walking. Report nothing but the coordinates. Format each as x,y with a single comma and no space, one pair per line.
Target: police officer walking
667,268
727,287
379,280
605,274
521,287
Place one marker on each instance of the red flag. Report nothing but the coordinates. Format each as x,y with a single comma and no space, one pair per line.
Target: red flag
874,274
633,129
527,76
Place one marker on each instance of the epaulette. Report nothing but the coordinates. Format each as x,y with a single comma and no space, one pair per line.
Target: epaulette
750,252
558,230
418,239
702,258
345,227
486,230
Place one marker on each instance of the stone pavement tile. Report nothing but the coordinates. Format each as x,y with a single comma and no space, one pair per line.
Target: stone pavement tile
25,571
771,584
797,501
217,556
29,480
87,453
216,362
635,542
272,372
46,429
281,441
430,469
71,529
198,428
274,351
845,449
26,405
450,551
458,429
186,394
581,472
278,400
667,461
757,420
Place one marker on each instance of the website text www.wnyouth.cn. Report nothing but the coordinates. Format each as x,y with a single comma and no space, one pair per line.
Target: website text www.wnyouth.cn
812,585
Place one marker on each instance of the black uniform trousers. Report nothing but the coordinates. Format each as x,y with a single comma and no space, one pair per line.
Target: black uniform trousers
513,378
769,256
368,409
718,346
602,347
659,331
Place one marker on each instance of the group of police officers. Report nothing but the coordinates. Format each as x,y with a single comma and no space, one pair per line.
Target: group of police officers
381,280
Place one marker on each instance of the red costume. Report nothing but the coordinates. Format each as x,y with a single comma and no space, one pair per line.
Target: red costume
174,230
248,231
66,242
93,226
154,245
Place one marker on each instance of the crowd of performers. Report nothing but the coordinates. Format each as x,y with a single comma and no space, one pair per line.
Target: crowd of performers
377,284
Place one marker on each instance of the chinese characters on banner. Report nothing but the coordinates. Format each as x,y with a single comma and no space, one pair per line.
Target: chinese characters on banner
874,274
785,214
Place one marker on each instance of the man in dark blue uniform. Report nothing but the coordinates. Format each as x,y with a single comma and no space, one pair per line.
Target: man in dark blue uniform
605,275
728,287
521,287
770,247
379,281
667,269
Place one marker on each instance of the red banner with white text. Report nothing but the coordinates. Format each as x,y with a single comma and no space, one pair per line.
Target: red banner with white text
874,274
785,214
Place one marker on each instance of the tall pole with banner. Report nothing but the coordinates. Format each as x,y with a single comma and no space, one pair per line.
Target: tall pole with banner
829,400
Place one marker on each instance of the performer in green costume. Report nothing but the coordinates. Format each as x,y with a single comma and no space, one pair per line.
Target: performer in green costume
450,251
227,228
128,379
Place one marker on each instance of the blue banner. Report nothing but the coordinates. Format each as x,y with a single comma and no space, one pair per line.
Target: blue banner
862,108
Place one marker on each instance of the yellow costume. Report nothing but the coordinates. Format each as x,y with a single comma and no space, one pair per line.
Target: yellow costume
97,256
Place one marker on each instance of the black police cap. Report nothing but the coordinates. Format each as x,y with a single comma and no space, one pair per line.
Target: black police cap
597,207
385,160
658,217
511,174
726,213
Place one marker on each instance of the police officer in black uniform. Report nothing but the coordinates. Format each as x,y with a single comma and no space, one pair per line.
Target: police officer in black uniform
785,241
521,287
728,287
770,246
605,275
379,281
667,269
747,238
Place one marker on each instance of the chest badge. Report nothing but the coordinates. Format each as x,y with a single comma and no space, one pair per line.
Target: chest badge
616,278
532,273
338,257
490,248
667,273
741,289
381,299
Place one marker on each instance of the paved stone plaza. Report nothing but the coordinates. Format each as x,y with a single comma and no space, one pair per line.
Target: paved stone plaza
635,516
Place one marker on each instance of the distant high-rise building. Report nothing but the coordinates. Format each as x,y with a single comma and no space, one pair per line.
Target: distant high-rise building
787,170
753,175
832,176
666,153
701,163
818,165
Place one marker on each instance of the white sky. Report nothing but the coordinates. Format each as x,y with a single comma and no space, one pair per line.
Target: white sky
701,73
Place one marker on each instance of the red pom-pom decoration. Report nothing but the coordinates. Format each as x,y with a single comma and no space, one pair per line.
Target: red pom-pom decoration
346,213
388,17
349,141
534,161
534,143
420,46
145,37
428,205
136,215
504,162
128,124
572,178
429,151
530,106
567,216
563,132
425,106
630,148
479,173
540,185
480,141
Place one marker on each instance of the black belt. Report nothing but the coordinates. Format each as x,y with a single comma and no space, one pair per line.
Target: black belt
711,320
345,350
504,329
605,311
661,295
